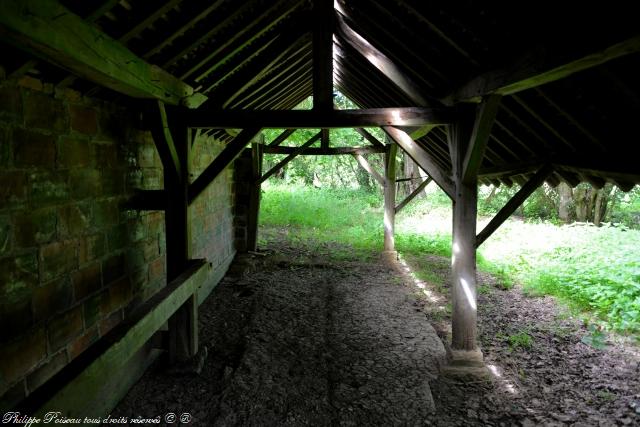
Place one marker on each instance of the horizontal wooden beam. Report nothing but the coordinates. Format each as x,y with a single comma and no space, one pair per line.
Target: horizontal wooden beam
301,119
228,155
331,151
535,69
282,163
413,194
422,158
367,167
508,169
48,30
513,203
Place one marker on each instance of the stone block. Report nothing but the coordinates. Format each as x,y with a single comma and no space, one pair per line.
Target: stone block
117,237
113,182
58,258
74,153
92,308
113,125
13,190
47,370
10,102
33,149
62,328
106,155
147,156
85,183
87,281
105,214
51,298
44,112
74,220
48,186
91,248
113,268
83,119
119,295
80,344
22,355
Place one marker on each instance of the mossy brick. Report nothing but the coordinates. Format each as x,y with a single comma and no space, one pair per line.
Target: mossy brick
135,257
113,268
44,112
52,298
110,322
156,270
106,155
83,119
58,258
13,191
64,327
35,227
119,294
114,126
117,237
152,179
18,278
48,186
85,183
139,280
11,102
80,344
92,308
33,149
22,355
74,153
6,233
147,156
74,219
105,214
87,281
113,181
48,369
12,396
91,248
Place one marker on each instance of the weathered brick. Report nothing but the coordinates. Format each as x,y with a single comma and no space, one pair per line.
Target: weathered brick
117,237
119,295
22,355
44,112
33,149
105,214
156,270
152,179
74,220
6,232
91,248
74,153
139,280
18,278
83,119
93,308
47,370
85,183
113,268
113,181
110,322
87,281
48,186
13,189
107,155
58,258
51,298
82,343
147,156
64,327
35,227
10,102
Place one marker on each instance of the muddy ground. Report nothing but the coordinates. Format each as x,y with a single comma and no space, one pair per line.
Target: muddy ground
296,338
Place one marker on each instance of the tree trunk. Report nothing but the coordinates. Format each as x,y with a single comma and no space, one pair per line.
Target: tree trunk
591,197
566,196
580,203
597,218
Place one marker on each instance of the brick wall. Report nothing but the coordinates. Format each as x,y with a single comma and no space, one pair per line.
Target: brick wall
73,260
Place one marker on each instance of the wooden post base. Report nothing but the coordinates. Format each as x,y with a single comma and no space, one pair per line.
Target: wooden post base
466,366
389,256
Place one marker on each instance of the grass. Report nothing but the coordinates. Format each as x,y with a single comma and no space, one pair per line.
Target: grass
596,270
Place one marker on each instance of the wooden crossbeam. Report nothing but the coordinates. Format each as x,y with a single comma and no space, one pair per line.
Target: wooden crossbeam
163,139
281,138
510,207
228,154
367,167
324,139
48,30
331,151
296,152
536,69
422,158
413,194
372,139
300,119
323,18
485,116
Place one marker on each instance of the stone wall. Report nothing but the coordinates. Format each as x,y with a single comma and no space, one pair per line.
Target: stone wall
74,261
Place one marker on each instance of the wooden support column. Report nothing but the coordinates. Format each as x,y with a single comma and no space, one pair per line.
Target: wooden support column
254,195
390,201
364,164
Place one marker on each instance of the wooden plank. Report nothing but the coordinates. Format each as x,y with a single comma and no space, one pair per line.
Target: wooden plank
323,19
53,33
411,196
382,63
297,151
421,158
536,181
535,69
390,198
228,154
282,137
300,119
79,388
485,116
366,166
332,151
372,139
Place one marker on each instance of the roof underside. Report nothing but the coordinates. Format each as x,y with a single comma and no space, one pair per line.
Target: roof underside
258,54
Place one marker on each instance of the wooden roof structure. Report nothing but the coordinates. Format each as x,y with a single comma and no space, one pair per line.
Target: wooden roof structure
567,73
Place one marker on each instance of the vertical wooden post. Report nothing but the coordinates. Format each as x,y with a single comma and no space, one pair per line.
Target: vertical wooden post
254,194
390,200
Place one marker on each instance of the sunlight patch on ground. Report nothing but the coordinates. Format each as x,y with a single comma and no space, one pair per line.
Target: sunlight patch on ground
420,284
498,375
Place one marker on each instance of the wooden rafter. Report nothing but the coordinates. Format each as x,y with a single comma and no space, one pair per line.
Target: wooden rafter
323,54
319,151
281,138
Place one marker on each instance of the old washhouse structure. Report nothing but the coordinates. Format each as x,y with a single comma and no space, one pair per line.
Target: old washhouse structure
127,185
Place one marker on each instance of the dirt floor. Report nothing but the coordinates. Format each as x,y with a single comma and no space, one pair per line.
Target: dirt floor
295,338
